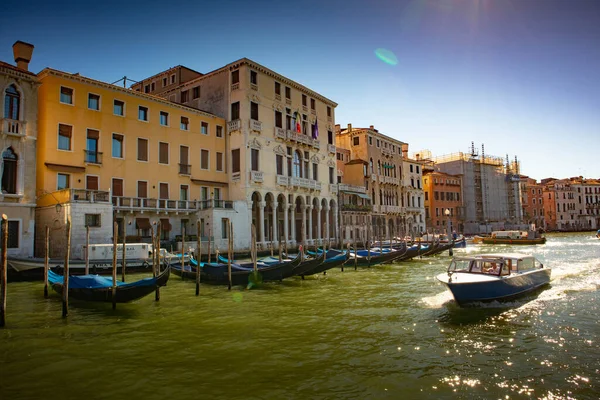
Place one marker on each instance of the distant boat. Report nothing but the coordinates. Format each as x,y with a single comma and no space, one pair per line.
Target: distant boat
514,237
489,277
598,234
99,288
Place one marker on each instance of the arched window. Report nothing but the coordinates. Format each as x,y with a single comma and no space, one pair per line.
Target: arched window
12,103
9,171
297,164
371,165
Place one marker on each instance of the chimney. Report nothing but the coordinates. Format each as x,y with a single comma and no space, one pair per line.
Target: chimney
349,127
22,52
372,128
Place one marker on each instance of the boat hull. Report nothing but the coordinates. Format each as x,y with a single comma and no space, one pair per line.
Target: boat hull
498,289
513,241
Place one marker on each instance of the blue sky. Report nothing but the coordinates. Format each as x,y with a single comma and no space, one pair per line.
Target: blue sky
520,76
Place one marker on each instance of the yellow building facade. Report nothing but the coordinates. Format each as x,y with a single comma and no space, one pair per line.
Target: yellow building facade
107,153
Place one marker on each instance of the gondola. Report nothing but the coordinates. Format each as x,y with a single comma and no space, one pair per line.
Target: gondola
99,288
334,258
411,252
366,258
309,264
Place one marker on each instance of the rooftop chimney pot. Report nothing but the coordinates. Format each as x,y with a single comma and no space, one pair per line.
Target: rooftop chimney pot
22,52
349,127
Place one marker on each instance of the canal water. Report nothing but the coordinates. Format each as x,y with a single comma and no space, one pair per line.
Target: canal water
386,332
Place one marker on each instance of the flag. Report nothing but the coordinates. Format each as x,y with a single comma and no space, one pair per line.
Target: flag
298,122
315,131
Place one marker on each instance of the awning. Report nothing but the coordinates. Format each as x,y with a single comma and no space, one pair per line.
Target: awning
65,168
165,225
361,195
143,223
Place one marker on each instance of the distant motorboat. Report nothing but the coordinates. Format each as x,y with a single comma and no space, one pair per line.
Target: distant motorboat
514,237
489,277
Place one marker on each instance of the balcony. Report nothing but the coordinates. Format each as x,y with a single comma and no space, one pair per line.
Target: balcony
351,188
386,151
254,86
256,176
255,125
280,133
13,127
282,180
304,183
185,169
391,180
88,196
235,86
212,203
357,207
413,209
391,209
92,157
333,188
234,125
316,144
278,97
121,203
331,148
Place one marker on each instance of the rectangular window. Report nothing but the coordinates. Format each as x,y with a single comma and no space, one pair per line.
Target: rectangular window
288,119
331,176
304,100
278,119
219,131
63,181
254,159
288,93
117,145
217,193
204,193
13,234
93,101
254,77
66,95
91,182
142,189
163,191
279,164
183,192
235,76
173,79
304,126
196,92
153,86
254,111
142,149
163,153
224,228
185,123
329,137
204,128
164,82
235,160
312,104
315,171
278,88
377,144
235,111
92,220
356,140
147,89
204,159
328,111
184,96
164,118
119,108
219,165
117,187
143,113
184,161
64,136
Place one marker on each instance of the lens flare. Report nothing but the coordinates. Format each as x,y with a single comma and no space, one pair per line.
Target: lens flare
237,297
386,56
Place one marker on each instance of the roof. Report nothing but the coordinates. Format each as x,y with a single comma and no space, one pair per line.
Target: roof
356,161
12,67
494,255
131,92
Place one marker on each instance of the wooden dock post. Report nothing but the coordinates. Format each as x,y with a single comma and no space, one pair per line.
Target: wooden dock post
114,264
182,249
65,302
209,234
355,256
124,251
46,260
87,249
157,270
3,273
229,254
198,256
272,241
280,256
255,267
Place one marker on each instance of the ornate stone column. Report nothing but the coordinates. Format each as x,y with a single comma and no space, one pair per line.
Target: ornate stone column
319,233
310,225
261,221
335,223
274,231
326,235
303,234
286,232
293,218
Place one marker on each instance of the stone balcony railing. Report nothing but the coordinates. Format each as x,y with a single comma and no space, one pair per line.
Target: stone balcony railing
351,188
303,139
391,180
234,125
280,133
87,196
122,203
357,207
13,127
413,209
255,125
331,148
386,151
333,188
256,176
298,182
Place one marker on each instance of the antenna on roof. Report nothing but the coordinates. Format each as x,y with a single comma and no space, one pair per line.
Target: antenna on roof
124,79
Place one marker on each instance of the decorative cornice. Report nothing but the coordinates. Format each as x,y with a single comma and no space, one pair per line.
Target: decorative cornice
279,150
315,159
277,107
254,97
89,81
331,163
255,144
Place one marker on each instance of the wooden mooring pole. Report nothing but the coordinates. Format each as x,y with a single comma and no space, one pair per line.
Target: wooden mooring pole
87,249
114,264
229,254
124,263
46,260
157,270
65,302
3,267
182,249
198,256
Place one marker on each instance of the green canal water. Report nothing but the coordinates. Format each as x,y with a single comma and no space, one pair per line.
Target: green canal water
387,332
